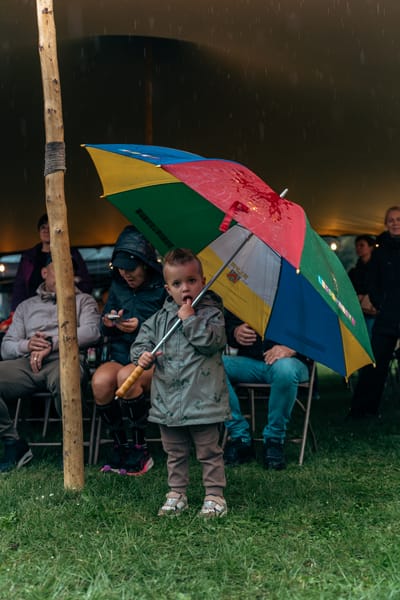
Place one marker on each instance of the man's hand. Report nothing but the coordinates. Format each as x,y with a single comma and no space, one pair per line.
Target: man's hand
37,358
245,335
277,352
39,347
38,342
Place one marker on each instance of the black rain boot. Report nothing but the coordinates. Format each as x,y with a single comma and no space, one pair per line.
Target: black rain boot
139,460
112,415
137,411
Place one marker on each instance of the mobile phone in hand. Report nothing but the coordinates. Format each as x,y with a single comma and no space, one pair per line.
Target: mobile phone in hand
113,317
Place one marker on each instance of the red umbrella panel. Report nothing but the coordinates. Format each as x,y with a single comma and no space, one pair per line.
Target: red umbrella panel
181,199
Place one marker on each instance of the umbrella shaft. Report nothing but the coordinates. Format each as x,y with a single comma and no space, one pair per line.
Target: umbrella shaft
203,291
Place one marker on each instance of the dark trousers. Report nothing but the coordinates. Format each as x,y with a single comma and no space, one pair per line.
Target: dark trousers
371,381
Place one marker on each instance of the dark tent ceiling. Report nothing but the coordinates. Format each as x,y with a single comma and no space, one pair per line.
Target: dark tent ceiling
304,92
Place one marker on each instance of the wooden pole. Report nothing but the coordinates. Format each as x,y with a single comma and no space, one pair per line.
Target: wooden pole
60,249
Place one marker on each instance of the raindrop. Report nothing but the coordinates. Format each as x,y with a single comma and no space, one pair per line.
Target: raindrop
261,131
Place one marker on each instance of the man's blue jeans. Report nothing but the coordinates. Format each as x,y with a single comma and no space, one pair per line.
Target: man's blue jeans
284,375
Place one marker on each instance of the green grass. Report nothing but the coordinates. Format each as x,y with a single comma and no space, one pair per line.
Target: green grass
327,530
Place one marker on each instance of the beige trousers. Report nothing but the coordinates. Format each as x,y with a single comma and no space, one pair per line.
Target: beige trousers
177,442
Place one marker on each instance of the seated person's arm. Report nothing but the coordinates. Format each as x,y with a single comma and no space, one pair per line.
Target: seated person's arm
15,343
88,322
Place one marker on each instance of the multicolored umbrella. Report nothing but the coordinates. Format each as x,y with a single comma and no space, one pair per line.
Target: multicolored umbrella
313,309
180,199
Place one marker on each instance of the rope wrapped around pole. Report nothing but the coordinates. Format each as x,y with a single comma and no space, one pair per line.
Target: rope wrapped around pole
54,158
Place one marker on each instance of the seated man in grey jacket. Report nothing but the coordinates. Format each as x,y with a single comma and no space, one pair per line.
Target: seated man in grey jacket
31,360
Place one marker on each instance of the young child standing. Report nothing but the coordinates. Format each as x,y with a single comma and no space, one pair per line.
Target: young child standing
189,396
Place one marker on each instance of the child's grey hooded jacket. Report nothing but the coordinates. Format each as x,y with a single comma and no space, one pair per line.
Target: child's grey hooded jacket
189,384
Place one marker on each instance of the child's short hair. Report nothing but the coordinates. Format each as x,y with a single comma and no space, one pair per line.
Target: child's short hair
180,256
365,237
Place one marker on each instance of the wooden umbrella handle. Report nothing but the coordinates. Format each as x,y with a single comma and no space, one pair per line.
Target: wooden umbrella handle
129,381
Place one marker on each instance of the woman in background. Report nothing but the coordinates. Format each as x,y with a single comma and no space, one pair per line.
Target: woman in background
384,293
359,275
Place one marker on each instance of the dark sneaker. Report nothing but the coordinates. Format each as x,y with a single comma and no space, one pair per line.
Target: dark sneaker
237,452
273,455
117,460
16,454
138,461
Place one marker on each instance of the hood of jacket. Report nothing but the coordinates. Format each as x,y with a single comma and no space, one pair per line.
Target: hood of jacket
132,241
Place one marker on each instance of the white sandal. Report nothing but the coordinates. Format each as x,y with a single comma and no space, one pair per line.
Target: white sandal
213,506
174,505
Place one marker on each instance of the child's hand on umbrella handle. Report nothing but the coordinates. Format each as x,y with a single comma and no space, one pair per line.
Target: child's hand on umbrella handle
146,360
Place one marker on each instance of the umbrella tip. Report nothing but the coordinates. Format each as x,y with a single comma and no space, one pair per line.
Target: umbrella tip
283,194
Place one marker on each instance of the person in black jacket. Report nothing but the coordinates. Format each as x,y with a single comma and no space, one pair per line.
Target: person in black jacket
358,275
384,293
136,293
260,361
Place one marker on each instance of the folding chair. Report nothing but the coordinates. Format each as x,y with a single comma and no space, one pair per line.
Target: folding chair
46,438
260,391
93,357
